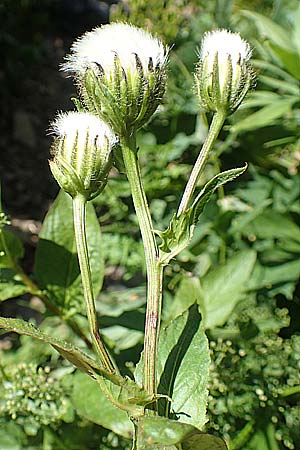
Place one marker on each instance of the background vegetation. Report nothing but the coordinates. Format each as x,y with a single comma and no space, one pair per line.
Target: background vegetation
249,237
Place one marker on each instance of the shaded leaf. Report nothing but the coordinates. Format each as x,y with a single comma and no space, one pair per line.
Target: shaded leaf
186,295
270,29
68,351
276,276
273,225
265,116
11,284
11,249
159,433
223,287
14,246
98,409
122,391
183,366
56,264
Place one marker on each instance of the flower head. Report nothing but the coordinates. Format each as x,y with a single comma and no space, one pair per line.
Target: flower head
121,70
81,153
224,74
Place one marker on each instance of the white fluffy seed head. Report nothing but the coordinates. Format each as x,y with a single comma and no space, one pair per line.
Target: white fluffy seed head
102,44
225,43
88,129
224,73
81,153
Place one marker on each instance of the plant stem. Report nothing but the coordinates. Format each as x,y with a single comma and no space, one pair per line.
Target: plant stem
154,268
79,209
214,130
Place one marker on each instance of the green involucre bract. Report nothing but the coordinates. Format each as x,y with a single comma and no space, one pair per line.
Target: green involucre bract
121,72
224,73
81,153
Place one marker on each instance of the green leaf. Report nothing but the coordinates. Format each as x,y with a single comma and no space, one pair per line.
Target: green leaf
202,441
10,247
187,294
122,392
67,350
276,277
159,433
11,284
224,287
182,367
12,437
180,231
273,225
265,116
274,32
91,403
288,58
56,264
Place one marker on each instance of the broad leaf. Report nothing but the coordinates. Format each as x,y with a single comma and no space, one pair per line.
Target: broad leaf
159,433
265,116
11,249
188,293
270,29
67,350
91,403
122,392
223,288
273,225
182,366
281,278
11,284
180,231
56,266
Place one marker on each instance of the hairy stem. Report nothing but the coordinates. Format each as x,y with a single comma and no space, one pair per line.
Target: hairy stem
79,209
214,130
154,268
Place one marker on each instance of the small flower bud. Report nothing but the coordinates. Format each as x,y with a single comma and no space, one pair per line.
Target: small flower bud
121,71
224,73
81,153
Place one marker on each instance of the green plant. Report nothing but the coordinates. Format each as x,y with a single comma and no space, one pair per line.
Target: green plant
236,229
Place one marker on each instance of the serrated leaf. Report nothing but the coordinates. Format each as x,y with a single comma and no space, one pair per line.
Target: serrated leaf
223,288
67,350
159,433
119,390
183,367
98,409
180,231
56,264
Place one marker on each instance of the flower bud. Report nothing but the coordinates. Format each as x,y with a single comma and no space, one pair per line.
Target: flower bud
81,153
224,73
121,72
